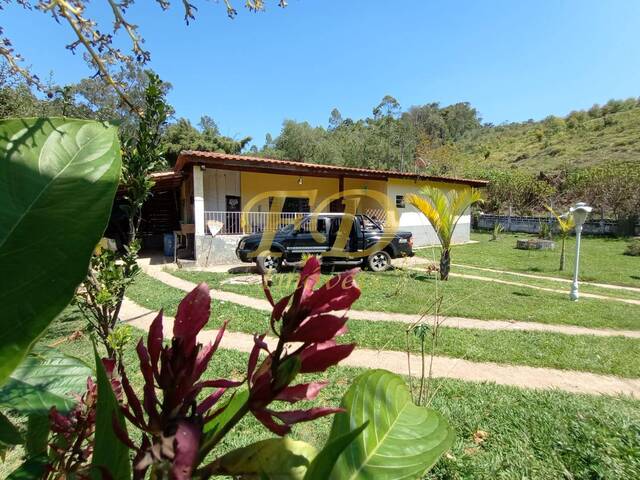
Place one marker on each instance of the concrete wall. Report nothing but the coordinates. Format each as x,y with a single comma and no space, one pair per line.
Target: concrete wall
532,224
412,220
217,185
216,250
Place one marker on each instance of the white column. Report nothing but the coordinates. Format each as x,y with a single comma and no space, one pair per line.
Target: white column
198,199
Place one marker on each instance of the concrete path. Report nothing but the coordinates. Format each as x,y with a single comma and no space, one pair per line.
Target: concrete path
552,279
454,322
519,376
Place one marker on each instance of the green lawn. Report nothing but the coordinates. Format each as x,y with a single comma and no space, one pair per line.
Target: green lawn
601,259
606,355
531,434
413,292
546,283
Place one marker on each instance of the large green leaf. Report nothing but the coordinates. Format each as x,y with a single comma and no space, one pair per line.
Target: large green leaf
58,178
274,458
322,464
109,453
37,436
9,433
402,440
46,378
32,469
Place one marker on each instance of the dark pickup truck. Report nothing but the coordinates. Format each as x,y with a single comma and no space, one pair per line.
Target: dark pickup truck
316,234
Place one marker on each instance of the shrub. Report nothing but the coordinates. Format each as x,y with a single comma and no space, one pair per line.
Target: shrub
633,249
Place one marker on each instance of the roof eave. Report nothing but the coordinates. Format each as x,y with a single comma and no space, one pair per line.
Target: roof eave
290,168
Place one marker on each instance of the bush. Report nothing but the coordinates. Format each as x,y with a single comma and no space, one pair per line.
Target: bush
633,249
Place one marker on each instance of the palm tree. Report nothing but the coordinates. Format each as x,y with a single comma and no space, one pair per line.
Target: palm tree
566,223
443,210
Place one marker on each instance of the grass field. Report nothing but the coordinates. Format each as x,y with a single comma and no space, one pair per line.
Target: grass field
607,355
531,434
413,292
601,259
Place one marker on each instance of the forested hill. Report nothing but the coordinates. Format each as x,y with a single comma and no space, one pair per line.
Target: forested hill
453,139
610,133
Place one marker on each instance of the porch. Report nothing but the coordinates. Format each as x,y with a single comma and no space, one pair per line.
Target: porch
225,196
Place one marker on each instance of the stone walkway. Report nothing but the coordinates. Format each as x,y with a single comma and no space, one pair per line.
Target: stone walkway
519,376
454,322
551,279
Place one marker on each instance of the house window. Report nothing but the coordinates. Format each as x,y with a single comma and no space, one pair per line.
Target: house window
399,201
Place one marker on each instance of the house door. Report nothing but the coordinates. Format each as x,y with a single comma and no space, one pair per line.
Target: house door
232,220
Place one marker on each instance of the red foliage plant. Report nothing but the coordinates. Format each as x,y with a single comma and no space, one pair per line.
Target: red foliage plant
306,324
72,434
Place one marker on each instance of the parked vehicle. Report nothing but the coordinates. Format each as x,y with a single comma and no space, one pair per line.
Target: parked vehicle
316,234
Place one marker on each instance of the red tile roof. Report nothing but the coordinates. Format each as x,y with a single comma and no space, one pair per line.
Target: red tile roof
272,165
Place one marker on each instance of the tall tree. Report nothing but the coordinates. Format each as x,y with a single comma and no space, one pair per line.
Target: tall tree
335,120
182,135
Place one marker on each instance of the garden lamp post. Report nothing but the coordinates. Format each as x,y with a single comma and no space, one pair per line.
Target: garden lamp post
579,212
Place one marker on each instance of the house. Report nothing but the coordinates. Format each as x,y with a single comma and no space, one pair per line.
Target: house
232,195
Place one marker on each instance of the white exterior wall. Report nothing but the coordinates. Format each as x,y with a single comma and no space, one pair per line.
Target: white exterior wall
411,220
217,185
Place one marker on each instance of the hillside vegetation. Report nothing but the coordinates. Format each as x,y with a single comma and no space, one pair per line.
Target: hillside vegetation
585,138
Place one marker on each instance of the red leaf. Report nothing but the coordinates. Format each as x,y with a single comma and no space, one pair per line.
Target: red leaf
266,419
304,391
319,357
120,433
210,401
267,292
109,365
279,307
154,340
193,314
204,356
59,423
220,383
132,399
145,362
295,416
338,293
187,443
317,329
258,344
309,276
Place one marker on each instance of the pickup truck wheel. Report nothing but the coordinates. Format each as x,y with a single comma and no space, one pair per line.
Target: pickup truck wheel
268,263
379,261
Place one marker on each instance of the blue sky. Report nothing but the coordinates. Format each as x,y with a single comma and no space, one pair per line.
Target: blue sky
513,60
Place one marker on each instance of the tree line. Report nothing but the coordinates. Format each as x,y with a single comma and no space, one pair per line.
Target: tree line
452,141
430,139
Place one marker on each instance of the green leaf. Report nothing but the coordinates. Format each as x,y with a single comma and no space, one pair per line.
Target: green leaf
109,453
46,378
402,439
37,434
58,178
231,408
9,434
323,463
274,458
31,469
